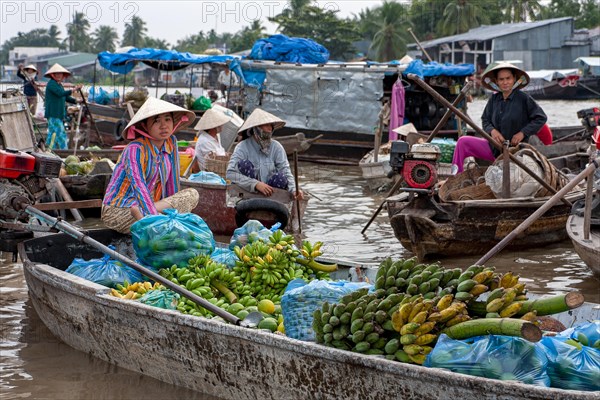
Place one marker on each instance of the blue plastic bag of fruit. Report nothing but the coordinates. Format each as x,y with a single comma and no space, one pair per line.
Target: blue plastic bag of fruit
163,240
166,299
104,271
225,256
588,334
250,232
492,356
572,365
300,300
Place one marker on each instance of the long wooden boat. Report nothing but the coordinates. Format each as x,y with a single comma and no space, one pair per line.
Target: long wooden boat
228,361
429,226
217,206
587,249
570,87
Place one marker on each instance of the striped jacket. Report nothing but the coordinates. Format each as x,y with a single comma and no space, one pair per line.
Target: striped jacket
144,175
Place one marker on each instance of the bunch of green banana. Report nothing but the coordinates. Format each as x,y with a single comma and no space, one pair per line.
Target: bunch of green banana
473,282
406,276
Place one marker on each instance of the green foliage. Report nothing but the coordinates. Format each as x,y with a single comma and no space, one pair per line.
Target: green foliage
461,15
193,43
77,29
322,26
389,42
156,43
36,37
135,33
104,38
520,10
245,38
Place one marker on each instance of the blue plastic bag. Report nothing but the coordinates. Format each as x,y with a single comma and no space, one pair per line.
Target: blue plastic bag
250,232
171,239
572,368
166,299
104,271
207,177
492,356
224,256
589,330
300,301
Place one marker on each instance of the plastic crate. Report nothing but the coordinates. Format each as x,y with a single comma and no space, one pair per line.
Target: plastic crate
47,165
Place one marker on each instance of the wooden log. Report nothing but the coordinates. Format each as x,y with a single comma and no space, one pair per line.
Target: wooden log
64,193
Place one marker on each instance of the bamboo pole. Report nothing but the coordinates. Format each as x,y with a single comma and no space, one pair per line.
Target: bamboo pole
483,133
419,44
62,191
540,211
505,171
587,211
298,213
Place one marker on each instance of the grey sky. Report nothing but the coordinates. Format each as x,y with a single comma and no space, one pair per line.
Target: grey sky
169,20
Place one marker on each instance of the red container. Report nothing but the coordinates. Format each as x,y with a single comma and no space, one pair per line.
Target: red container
14,163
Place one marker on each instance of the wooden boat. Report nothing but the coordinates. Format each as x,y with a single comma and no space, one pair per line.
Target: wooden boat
217,206
588,248
228,361
467,219
86,187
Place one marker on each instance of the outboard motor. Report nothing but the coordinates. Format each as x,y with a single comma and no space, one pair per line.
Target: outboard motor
416,164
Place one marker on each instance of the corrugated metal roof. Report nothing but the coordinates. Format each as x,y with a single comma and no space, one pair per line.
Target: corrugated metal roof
591,61
487,32
72,59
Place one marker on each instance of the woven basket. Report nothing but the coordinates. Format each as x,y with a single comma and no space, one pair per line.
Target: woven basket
468,185
216,164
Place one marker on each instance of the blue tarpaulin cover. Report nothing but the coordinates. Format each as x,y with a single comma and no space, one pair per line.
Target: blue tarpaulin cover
283,48
435,69
123,63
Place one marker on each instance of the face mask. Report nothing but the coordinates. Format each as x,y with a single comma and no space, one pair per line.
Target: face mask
31,75
263,138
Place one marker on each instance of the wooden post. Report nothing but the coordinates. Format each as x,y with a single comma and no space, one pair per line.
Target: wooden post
419,44
378,139
62,190
587,211
448,112
505,171
298,213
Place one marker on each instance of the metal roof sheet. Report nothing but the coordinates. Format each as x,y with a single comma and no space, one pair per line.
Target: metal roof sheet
487,32
591,61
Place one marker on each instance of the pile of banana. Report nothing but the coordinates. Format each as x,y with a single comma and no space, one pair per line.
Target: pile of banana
412,304
133,291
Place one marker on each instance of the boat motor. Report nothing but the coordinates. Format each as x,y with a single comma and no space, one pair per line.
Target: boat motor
417,164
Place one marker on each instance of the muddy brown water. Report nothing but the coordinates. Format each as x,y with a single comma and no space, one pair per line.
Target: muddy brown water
36,365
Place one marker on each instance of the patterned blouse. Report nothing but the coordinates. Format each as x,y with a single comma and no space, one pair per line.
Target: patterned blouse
144,174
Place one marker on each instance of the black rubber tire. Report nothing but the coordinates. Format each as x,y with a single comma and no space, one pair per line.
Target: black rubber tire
246,206
119,127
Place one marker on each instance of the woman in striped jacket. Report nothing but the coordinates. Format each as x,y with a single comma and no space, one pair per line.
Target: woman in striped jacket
146,177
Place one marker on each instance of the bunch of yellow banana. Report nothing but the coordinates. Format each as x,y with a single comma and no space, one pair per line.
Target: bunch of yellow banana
503,303
134,290
311,251
281,241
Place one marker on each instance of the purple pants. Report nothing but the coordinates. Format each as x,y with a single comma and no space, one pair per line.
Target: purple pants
470,146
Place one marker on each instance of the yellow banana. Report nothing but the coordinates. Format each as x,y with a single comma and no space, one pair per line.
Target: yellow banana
494,305
531,316
457,320
510,310
506,280
444,302
478,289
425,339
426,327
415,310
417,358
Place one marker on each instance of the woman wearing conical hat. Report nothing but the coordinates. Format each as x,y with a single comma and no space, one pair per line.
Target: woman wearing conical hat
208,141
29,75
510,115
260,163
145,180
55,106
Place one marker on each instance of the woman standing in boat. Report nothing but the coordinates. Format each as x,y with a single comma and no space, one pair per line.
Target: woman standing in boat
55,106
208,142
146,178
260,163
509,115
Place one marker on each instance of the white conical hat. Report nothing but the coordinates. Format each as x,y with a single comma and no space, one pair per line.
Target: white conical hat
212,118
57,69
260,117
488,79
153,106
30,66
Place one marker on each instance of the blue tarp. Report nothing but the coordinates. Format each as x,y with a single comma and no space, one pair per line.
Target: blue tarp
283,48
123,63
435,69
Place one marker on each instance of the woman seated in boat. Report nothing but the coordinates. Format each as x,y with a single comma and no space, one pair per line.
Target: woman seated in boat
145,180
258,162
510,115
209,141
54,103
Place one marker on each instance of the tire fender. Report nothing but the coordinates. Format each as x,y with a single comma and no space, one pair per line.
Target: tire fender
244,207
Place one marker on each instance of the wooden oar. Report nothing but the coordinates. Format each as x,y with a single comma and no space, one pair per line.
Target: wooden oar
250,321
540,211
298,213
448,113
483,133
390,193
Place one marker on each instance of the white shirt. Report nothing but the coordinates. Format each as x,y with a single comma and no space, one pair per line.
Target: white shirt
207,144
227,79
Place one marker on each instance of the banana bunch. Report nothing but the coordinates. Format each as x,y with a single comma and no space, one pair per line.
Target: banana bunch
473,282
311,251
406,276
282,242
505,303
134,290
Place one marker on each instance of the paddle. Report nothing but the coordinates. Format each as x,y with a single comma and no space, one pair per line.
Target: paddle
298,213
251,321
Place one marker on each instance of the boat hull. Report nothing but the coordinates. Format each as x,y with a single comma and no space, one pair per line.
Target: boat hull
587,249
224,360
459,228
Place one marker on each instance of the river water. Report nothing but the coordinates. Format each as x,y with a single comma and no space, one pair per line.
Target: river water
36,365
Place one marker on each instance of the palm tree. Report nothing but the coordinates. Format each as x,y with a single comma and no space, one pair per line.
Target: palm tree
368,22
104,39
135,33
77,30
257,27
389,42
295,8
462,15
520,10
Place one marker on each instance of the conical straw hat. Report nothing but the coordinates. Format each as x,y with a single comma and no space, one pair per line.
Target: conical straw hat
30,66
212,119
260,117
153,106
488,79
57,69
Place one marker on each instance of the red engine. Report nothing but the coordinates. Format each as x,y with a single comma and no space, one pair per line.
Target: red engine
419,174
